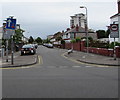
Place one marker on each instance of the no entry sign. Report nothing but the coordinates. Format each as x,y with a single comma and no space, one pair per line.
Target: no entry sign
114,31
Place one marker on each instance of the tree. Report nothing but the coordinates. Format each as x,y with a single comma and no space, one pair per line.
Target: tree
90,38
107,33
46,41
31,40
38,40
18,35
101,34
62,41
59,38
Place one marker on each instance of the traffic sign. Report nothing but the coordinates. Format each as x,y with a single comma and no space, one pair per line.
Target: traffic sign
11,24
8,33
114,31
114,27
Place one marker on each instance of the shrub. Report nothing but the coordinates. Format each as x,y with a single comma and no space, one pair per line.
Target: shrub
112,44
73,41
77,39
62,41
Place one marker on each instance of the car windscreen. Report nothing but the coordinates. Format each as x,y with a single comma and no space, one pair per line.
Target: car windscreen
27,46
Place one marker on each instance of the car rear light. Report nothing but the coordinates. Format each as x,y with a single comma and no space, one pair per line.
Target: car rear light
22,49
31,49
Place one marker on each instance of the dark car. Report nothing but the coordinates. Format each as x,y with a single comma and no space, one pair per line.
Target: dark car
28,49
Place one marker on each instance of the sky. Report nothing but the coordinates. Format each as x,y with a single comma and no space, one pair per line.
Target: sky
40,18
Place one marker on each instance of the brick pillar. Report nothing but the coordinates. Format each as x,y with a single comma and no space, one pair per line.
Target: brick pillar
118,52
82,45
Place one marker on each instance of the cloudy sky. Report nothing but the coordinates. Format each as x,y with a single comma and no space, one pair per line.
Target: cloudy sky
46,17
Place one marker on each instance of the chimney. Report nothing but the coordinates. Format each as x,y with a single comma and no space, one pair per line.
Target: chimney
118,6
68,29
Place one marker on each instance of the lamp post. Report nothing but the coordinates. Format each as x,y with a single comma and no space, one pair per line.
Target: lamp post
86,26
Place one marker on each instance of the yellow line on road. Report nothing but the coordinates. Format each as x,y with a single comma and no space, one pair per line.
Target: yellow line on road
40,61
95,65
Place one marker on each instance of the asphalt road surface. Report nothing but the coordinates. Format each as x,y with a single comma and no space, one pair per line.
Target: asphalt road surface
57,77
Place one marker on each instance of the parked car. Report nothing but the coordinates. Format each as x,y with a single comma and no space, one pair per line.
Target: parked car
28,49
49,45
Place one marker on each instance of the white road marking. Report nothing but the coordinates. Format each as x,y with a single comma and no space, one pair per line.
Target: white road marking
63,66
88,66
76,66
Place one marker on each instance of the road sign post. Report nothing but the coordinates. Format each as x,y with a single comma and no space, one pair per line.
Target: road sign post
114,33
10,31
12,59
6,50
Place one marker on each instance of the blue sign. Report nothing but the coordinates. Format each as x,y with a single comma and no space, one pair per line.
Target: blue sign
11,24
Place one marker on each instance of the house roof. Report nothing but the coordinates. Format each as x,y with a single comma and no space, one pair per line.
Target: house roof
80,29
116,15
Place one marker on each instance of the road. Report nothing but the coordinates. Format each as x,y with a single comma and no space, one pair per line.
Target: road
57,77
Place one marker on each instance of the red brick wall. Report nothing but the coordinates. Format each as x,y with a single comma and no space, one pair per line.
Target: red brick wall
101,51
118,52
76,46
80,46
67,45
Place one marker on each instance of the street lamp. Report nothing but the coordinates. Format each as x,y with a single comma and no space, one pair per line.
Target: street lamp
86,26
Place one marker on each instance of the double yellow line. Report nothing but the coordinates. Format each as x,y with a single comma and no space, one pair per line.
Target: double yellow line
40,62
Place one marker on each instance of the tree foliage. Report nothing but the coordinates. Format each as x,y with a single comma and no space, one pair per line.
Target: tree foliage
38,40
103,33
18,35
46,41
31,40
62,41
59,38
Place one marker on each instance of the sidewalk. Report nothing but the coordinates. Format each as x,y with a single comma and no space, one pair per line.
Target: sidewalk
93,58
19,61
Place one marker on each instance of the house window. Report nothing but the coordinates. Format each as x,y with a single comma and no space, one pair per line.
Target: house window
71,35
67,35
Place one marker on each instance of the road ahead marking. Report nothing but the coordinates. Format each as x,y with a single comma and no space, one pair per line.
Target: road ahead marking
40,61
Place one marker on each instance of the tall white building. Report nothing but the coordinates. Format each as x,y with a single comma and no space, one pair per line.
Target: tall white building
78,19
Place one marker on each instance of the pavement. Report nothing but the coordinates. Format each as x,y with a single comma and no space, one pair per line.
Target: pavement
91,58
19,60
